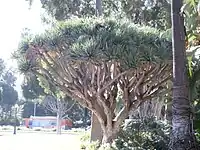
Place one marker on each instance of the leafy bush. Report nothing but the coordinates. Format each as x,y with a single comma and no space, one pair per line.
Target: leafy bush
138,134
9,121
86,144
143,134
7,128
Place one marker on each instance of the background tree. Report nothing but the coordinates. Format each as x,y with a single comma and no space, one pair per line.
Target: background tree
9,98
32,90
64,9
155,13
28,110
59,106
8,94
80,116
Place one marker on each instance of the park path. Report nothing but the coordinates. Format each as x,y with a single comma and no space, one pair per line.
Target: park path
39,141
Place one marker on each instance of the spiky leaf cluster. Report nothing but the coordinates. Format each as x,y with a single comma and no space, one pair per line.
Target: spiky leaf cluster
100,40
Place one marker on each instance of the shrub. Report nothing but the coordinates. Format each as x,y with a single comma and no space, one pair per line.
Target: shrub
9,121
139,134
86,144
143,134
90,146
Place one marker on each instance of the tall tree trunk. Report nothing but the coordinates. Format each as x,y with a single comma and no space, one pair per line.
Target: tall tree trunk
58,124
96,131
99,10
182,137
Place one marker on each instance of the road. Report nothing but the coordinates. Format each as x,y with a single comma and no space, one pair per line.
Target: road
39,141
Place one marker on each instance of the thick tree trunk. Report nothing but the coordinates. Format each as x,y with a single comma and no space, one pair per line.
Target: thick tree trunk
109,135
100,132
182,137
96,131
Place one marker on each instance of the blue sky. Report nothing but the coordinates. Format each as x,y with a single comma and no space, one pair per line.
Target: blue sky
16,15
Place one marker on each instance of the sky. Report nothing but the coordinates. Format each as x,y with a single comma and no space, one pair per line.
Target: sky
16,15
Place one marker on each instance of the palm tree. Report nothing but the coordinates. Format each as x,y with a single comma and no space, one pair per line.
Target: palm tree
182,137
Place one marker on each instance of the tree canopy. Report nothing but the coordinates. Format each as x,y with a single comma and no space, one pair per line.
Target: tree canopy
90,39
8,94
146,12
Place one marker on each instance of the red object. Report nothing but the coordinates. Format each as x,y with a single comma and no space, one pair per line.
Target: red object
50,119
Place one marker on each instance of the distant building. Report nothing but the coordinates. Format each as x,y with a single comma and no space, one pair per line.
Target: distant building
46,122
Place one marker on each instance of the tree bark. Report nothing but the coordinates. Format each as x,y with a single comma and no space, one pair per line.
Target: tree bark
96,131
103,136
110,134
109,137
182,137
99,11
58,124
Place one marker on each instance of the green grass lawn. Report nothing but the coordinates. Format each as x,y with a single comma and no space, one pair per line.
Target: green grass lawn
39,141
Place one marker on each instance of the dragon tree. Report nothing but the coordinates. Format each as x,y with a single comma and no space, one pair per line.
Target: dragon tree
93,60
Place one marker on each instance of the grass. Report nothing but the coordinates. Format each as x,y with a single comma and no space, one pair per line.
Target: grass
24,129
39,141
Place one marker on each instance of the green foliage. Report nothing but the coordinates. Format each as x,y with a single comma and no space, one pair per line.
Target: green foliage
141,135
9,95
85,137
148,12
101,40
65,9
9,78
198,134
90,146
77,113
31,88
28,110
191,21
85,143
9,121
